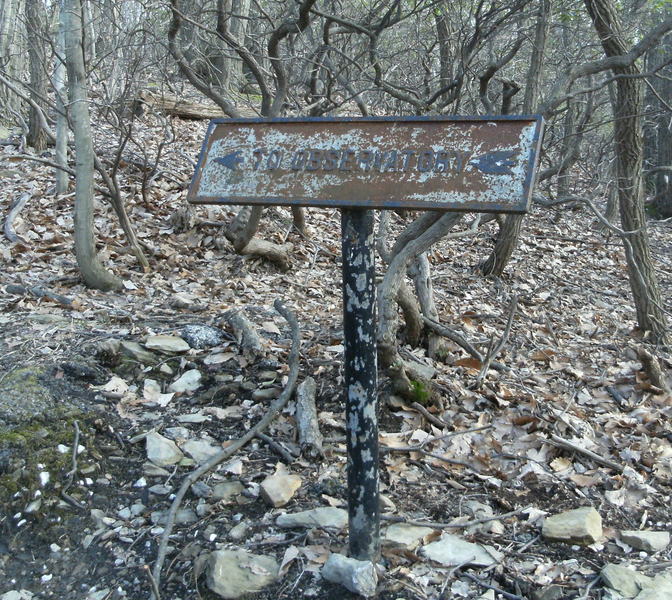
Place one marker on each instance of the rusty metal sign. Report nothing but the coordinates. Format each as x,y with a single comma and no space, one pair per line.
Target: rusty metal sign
466,164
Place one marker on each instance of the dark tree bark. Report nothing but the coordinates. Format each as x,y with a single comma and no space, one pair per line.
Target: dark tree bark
629,152
658,137
509,232
37,65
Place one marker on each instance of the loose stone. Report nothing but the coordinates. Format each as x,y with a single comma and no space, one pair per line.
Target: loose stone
579,526
358,576
649,541
167,343
326,517
190,381
162,451
235,573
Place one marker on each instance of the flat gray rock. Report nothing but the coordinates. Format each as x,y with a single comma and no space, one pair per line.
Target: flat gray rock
326,517
227,491
235,573
405,536
189,381
649,541
452,550
184,516
137,352
660,589
627,582
200,450
171,344
358,576
579,526
162,451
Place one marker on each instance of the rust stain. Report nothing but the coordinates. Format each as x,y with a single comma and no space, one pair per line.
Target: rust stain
435,163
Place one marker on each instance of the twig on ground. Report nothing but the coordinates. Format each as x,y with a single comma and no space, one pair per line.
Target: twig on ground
493,352
589,587
462,525
429,416
460,341
488,586
152,582
278,448
567,445
73,471
220,457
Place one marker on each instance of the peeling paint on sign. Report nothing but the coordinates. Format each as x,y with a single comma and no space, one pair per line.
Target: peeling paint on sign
476,164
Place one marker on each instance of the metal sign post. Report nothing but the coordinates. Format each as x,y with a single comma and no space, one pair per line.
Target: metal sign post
424,163
361,381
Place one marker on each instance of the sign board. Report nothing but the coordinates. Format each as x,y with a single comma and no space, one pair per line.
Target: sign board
478,164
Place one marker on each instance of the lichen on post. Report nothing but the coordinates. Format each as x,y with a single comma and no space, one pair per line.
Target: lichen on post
360,369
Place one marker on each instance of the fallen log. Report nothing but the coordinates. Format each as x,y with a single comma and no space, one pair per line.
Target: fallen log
177,107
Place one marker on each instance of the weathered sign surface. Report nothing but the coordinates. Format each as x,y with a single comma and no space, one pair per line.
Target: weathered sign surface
467,164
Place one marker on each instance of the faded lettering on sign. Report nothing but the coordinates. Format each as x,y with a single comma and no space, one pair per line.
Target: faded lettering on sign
447,164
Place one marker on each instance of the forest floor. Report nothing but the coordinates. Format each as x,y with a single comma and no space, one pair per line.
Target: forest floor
80,526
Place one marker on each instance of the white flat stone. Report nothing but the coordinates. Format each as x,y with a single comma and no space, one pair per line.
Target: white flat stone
189,381
236,573
326,517
358,576
452,550
162,451
167,343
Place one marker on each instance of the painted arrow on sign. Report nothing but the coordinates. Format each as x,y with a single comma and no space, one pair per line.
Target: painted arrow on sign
499,162
231,160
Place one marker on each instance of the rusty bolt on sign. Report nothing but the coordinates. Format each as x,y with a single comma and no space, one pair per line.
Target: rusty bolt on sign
477,164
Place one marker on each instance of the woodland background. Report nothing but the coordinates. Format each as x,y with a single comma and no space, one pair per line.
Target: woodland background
537,327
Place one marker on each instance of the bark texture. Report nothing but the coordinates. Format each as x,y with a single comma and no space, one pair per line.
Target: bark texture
509,232
93,272
629,152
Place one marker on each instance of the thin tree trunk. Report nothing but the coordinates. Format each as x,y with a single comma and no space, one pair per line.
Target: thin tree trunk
629,152
35,32
93,272
61,118
12,53
509,231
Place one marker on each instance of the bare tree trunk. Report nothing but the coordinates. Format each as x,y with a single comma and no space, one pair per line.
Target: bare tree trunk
61,118
658,144
509,232
93,272
11,53
629,152
35,32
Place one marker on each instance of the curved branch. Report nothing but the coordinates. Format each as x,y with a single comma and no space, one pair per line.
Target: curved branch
221,456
